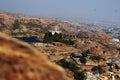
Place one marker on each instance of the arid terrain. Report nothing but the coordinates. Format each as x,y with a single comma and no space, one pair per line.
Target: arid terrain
85,51
20,61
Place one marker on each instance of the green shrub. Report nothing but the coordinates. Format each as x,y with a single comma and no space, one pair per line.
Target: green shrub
16,24
97,69
79,75
72,66
69,65
96,58
56,38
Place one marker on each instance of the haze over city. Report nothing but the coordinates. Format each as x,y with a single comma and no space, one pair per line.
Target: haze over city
100,10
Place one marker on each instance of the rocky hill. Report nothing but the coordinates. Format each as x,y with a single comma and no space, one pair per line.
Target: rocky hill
20,61
80,48
28,24
31,25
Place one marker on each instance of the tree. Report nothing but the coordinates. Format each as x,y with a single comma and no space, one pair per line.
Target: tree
85,54
72,55
48,37
82,60
97,69
70,65
56,37
16,24
79,75
96,58
117,67
60,36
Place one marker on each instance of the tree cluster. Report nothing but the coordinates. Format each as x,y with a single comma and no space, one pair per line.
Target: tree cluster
49,37
96,58
82,58
72,66
98,69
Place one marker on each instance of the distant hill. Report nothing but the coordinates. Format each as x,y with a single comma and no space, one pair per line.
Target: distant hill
28,24
43,24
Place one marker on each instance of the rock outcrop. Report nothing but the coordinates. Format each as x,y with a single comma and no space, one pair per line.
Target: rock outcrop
20,61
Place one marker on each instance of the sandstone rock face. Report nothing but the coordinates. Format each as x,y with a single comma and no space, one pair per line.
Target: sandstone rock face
19,61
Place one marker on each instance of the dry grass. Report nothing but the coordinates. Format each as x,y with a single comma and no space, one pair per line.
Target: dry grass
19,61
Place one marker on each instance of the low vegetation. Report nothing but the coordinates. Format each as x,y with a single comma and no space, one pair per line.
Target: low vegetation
98,69
49,37
72,67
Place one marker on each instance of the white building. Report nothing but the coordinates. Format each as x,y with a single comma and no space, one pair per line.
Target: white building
55,31
114,41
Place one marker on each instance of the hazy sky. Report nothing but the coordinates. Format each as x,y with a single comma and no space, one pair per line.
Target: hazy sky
90,9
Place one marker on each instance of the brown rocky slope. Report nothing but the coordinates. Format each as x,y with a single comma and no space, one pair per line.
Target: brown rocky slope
19,61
